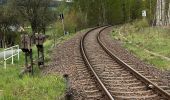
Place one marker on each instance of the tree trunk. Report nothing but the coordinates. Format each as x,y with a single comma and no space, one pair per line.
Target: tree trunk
34,30
168,15
162,13
104,12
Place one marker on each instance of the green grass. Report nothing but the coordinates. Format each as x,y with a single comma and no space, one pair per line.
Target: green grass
1,49
36,87
154,39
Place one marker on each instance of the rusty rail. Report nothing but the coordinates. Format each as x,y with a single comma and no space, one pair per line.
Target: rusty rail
87,62
133,71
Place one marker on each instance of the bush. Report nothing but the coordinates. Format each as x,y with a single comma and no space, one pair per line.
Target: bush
140,24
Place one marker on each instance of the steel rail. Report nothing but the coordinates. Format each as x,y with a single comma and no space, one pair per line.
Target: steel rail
87,62
133,71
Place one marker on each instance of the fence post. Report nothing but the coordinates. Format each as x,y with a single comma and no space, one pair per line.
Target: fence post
14,50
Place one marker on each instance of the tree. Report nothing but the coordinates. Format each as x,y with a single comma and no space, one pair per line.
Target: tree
36,12
163,13
8,19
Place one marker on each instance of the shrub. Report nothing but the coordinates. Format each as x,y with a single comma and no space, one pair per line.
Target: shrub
140,24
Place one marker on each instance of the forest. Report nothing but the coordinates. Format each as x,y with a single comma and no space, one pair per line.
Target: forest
39,16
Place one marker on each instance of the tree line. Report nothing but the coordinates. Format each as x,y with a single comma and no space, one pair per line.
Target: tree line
81,14
98,12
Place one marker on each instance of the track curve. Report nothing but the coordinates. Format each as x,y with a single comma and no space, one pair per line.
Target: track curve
83,52
145,80
116,79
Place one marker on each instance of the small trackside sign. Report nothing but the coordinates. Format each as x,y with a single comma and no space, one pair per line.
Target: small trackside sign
144,13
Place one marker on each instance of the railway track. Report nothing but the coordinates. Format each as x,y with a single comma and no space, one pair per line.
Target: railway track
114,78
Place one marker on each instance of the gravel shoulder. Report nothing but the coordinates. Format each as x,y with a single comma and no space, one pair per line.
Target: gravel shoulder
117,48
65,59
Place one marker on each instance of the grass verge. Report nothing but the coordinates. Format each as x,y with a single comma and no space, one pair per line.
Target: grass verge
1,49
37,87
138,40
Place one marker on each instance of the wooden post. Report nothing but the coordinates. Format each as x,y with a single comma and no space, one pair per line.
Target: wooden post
31,58
26,48
40,38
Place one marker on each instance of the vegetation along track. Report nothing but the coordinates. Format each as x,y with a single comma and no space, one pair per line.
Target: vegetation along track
116,79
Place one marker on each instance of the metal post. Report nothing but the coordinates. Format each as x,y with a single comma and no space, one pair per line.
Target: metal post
26,61
18,52
4,59
124,16
38,56
63,26
43,55
12,56
31,61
